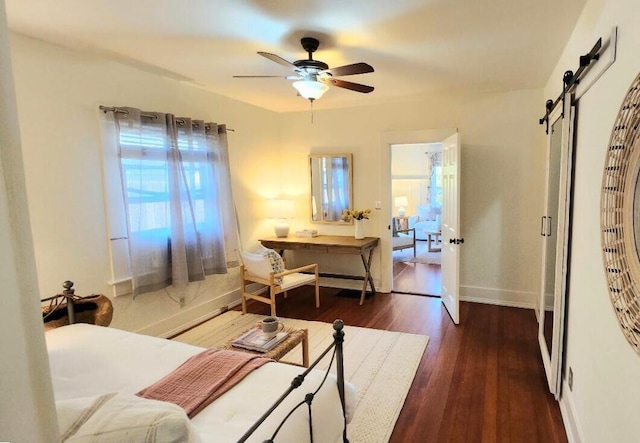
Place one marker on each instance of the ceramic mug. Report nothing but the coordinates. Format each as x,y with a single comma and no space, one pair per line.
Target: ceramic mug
270,326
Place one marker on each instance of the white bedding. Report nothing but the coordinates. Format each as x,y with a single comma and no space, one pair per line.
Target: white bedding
88,361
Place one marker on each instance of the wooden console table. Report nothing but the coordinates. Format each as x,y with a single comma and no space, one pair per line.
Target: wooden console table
332,244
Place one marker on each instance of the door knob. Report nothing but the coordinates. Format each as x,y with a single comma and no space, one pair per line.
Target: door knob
456,241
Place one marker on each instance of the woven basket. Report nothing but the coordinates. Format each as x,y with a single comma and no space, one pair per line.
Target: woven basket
94,309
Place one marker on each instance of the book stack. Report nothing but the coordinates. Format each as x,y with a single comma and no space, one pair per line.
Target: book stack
307,233
255,340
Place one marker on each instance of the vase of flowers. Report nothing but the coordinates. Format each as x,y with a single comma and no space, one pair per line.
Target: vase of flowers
358,218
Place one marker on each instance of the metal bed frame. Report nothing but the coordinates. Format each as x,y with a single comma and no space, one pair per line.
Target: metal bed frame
337,355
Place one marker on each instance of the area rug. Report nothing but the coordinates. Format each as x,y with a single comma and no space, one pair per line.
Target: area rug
422,254
381,364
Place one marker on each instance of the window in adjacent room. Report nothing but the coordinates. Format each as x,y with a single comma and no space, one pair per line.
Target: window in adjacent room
435,189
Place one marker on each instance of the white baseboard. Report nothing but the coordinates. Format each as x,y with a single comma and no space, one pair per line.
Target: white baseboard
192,316
502,297
569,416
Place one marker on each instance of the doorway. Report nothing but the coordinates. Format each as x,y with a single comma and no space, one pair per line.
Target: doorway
450,217
416,197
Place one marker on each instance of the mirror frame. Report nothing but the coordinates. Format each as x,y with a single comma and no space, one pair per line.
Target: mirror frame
620,255
350,182
552,358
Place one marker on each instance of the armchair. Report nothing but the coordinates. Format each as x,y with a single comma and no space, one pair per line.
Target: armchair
404,239
258,268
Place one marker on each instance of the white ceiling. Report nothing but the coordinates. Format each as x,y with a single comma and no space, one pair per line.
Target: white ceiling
417,47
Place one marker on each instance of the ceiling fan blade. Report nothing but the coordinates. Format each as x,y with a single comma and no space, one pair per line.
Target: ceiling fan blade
287,77
277,59
348,85
356,68
259,76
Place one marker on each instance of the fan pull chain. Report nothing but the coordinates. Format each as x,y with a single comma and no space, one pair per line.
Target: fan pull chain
311,111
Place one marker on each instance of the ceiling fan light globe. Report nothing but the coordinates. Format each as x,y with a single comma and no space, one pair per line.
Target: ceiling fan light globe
310,89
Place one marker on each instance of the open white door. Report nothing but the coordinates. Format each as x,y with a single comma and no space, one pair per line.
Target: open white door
451,225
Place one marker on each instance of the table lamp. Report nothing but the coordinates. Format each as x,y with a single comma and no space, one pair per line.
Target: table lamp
400,203
280,210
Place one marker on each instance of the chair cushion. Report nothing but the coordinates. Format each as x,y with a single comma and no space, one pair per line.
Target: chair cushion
297,279
402,240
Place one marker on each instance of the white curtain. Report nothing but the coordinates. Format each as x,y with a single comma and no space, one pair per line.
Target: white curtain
177,194
339,185
434,172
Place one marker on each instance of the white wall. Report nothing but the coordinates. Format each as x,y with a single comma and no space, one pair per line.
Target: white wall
604,405
502,176
59,90
26,398
58,93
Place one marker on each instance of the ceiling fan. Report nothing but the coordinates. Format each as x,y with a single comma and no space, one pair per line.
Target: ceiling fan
313,77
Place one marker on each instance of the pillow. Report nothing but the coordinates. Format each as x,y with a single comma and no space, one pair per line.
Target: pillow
277,264
263,262
424,212
256,264
123,418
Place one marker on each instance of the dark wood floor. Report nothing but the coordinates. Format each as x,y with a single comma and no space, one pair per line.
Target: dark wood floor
480,381
417,278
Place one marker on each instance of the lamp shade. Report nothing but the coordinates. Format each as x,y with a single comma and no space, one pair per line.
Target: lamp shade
280,208
310,89
401,201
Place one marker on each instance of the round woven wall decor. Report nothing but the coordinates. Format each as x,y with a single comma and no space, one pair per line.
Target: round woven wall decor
619,242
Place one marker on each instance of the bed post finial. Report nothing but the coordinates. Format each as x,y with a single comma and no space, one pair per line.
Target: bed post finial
338,338
69,292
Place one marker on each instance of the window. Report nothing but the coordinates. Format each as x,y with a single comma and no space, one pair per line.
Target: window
170,206
436,187
146,177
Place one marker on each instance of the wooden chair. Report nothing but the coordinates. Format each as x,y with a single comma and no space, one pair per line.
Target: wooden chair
403,239
257,268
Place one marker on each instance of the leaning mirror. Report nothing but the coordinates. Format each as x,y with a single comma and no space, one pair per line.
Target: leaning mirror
331,186
555,241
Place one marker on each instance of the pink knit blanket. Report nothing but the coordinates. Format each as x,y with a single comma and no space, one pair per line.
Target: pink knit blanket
203,378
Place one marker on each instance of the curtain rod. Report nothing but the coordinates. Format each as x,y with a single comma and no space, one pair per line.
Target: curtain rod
569,80
106,109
